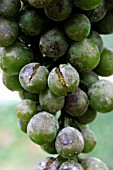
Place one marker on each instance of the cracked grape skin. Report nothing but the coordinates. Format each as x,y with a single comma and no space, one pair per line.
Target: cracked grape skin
43,128
63,80
50,163
69,142
33,77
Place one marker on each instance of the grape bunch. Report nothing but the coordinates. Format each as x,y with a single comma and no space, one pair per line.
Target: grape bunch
52,53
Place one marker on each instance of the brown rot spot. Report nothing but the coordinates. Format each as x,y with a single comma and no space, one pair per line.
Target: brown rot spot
61,78
34,71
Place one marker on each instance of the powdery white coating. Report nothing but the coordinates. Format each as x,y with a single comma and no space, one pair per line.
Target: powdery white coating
55,85
59,10
55,164
70,75
51,102
8,32
26,109
69,142
43,128
53,43
101,96
43,163
33,77
76,103
92,163
63,80
71,165
84,55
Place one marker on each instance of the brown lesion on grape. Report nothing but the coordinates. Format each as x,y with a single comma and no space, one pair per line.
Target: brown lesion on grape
34,71
49,164
61,78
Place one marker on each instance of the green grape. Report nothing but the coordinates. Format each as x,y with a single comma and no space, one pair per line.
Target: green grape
76,103
26,95
101,96
59,10
9,9
33,77
98,13
69,142
42,128
70,165
53,43
77,27
49,147
39,3
11,82
87,5
8,32
50,102
102,26
87,117
92,163
51,52
23,125
32,22
105,66
89,140
14,57
26,109
84,60
63,80
94,36
87,79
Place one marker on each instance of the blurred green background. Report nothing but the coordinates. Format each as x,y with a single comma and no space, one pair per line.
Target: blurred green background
18,152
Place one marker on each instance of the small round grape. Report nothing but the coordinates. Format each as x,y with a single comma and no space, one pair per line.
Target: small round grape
69,142
33,77
93,164
71,165
50,102
76,103
43,128
63,80
26,109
